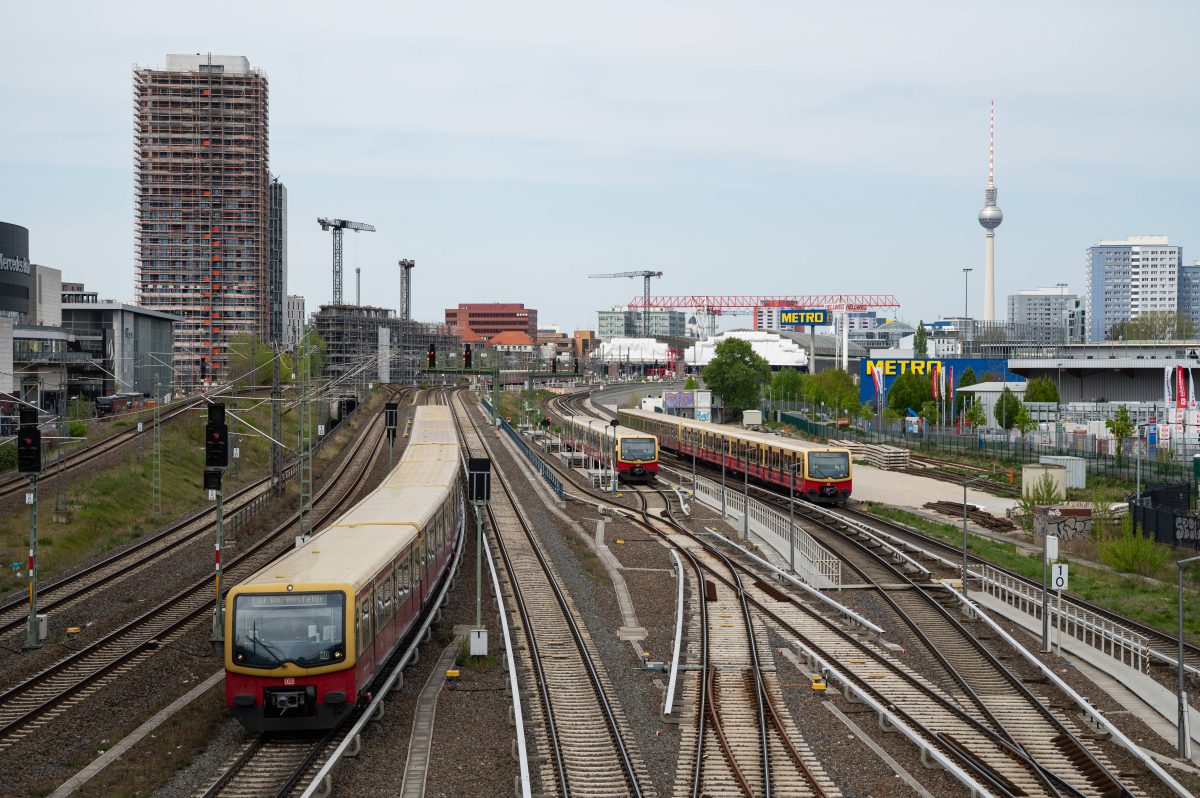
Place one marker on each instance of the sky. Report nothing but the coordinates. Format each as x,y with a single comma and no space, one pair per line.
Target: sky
511,149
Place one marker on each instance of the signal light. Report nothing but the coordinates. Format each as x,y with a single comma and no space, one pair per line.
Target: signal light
216,445
29,450
554,365
466,356
432,356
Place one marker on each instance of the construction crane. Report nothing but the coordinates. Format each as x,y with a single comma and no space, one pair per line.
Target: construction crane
646,276
337,226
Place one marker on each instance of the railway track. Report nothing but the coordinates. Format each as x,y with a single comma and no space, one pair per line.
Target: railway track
1025,747
64,591
1166,645
739,714
36,701
970,674
585,741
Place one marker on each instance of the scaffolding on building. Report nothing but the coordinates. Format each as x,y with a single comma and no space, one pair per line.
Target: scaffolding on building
351,335
202,208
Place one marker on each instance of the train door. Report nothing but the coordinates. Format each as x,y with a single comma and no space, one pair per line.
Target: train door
365,662
385,611
404,591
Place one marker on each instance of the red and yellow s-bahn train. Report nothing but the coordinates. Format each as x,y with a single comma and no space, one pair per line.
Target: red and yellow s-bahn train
637,452
822,475
306,635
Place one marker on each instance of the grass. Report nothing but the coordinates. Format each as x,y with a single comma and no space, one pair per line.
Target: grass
510,404
114,506
151,763
1151,601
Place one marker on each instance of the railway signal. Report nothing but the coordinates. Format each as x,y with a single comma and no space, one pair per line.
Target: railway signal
431,357
479,493
29,463
216,459
466,356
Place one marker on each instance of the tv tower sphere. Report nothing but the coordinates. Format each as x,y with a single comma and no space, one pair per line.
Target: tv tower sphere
990,216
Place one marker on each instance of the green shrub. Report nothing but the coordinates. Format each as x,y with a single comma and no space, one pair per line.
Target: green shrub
1130,553
77,429
8,457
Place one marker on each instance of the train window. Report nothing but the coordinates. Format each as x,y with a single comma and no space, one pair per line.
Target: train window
402,578
389,598
364,622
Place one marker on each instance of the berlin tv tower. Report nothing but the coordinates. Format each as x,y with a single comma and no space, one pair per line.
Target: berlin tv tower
990,217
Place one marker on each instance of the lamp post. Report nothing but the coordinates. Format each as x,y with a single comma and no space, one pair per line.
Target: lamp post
746,493
1185,732
724,451
966,283
970,481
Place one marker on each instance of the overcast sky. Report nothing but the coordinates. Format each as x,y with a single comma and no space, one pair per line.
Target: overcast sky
513,148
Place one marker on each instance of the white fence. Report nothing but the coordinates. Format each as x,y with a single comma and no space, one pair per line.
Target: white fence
1118,642
816,564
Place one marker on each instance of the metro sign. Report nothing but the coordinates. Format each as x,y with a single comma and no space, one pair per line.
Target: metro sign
794,318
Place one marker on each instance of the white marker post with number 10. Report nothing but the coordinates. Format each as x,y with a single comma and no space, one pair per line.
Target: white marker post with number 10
1058,579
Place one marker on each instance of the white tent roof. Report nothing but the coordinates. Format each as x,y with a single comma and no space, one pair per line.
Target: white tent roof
632,350
778,350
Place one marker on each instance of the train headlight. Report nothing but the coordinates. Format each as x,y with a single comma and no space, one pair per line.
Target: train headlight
337,653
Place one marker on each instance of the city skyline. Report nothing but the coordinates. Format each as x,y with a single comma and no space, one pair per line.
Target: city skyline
697,142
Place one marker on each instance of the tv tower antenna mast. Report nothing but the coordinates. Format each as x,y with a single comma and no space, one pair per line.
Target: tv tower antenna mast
990,218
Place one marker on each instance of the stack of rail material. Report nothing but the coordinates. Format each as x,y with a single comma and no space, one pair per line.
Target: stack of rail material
981,517
890,458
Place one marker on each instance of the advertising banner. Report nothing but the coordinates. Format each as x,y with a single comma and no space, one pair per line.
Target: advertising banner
804,318
875,373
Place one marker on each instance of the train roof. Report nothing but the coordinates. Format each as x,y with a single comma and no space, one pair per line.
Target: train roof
767,438
599,423
366,537
433,424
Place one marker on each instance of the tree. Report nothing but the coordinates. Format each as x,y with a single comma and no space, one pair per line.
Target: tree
737,374
1043,493
921,341
909,391
690,385
965,380
1042,389
1024,422
787,383
835,388
975,415
1121,426
1007,408
930,412
1158,325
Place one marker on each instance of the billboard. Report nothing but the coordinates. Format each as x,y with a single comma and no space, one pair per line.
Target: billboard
817,317
875,373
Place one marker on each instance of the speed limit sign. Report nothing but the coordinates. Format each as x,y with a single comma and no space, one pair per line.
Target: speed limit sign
1058,578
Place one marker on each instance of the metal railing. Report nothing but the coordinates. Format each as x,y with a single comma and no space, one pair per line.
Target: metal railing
1108,637
815,562
533,457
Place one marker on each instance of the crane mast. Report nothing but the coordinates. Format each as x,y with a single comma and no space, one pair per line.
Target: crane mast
646,276
338,226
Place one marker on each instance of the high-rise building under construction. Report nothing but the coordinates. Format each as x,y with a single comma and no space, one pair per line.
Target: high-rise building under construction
209,243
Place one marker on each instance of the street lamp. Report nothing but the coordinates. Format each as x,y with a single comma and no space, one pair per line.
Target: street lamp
614,423
966,273
964,567
1185,732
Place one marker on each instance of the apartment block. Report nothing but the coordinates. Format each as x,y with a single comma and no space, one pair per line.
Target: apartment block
203,207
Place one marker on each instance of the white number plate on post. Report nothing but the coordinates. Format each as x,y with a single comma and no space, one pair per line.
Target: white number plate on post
1058,578
29,498
140,426
212,495
237,452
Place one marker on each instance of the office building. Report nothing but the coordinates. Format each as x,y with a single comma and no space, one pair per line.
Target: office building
203,207
1040,306
618,323
293,320
1127,278
488,319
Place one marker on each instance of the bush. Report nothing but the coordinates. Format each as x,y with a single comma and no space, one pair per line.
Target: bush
1134,554
77,429
8,457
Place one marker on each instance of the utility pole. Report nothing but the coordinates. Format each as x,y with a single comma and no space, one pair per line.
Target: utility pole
29,463
306,447
479,493
276,421
216,460
156,500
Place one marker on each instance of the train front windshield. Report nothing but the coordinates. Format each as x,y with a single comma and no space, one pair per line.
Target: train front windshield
307,629
637,448
828,465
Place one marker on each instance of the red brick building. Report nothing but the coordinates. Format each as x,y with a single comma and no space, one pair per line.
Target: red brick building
472,320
